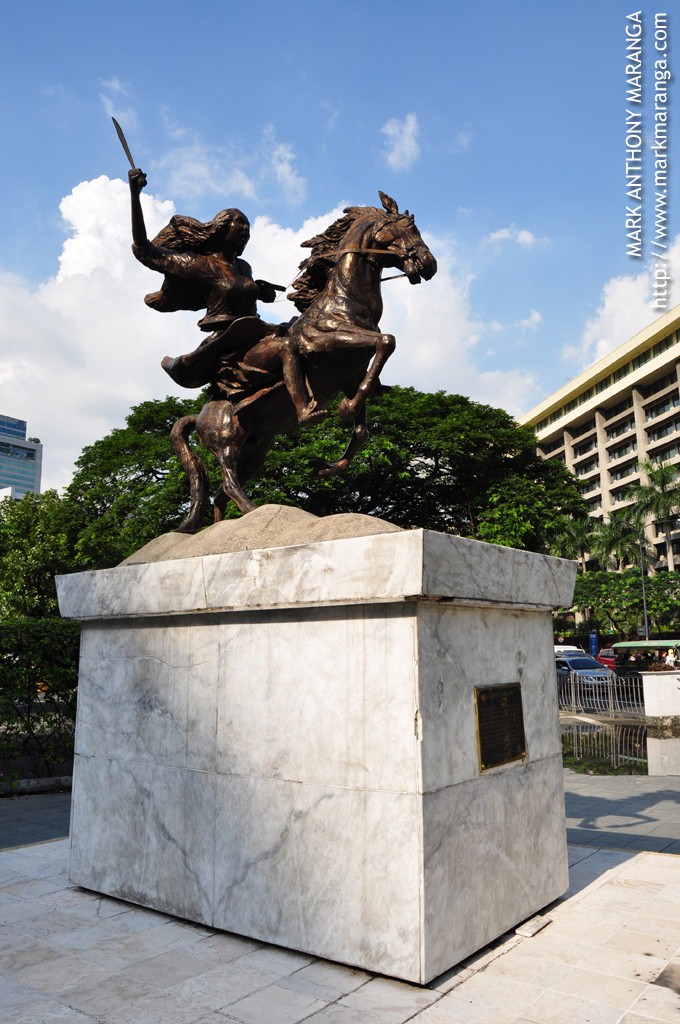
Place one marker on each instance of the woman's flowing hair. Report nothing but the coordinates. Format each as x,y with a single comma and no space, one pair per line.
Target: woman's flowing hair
186,234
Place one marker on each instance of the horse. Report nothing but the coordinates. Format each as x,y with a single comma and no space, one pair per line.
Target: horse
337,335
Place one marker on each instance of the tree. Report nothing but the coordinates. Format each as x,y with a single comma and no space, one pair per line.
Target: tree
531,512
129,487
574,539
613,600
37,542
659,499
436,461
620,539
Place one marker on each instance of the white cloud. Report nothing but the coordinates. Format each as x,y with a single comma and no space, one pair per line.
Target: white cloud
195,170
439,338
79,350
626,306
514,234
281,157
531,322
402,148
462,140
114,99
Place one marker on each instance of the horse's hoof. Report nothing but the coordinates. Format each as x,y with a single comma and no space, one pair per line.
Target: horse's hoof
327,470
345,411
315,416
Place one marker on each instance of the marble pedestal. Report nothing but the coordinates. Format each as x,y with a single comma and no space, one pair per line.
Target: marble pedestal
282,743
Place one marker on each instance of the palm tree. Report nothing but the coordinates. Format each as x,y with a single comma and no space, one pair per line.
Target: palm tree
574,540
659,500
620,539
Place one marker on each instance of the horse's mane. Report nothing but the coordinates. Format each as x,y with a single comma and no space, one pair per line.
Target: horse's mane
314,270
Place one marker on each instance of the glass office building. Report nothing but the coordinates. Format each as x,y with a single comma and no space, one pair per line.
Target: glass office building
20,459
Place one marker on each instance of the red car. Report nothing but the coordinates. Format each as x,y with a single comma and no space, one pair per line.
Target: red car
607,657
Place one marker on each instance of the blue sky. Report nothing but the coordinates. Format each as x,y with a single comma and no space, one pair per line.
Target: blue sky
500,126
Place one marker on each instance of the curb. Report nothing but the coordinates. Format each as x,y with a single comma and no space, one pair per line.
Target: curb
26,787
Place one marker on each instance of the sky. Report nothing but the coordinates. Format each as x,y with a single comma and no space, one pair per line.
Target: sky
501,127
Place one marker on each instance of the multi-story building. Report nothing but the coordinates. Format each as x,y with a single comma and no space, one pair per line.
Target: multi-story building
20,459
624,408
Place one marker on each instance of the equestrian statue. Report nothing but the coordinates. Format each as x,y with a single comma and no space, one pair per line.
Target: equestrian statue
265,379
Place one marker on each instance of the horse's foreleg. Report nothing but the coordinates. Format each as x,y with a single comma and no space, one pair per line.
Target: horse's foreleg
221,433
351,407
357,440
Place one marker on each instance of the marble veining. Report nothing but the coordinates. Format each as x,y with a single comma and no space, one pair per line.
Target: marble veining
282,743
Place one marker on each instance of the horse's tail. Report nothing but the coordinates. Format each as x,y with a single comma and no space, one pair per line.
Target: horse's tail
194,467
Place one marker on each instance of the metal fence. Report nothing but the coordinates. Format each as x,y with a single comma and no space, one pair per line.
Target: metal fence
613,744
613,696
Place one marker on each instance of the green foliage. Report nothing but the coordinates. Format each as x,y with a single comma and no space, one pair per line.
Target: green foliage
437,461
37,541
614,600
658,499
129,487
38,683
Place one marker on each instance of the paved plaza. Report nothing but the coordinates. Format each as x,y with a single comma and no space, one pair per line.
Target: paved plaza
610,954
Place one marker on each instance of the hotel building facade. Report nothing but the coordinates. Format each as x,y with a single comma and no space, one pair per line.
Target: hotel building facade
20,459
624,408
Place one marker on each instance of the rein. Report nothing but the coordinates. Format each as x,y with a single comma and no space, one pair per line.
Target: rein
360,252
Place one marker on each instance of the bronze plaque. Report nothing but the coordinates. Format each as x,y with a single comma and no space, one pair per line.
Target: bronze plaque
500,725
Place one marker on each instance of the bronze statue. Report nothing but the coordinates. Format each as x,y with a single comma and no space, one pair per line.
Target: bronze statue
267,379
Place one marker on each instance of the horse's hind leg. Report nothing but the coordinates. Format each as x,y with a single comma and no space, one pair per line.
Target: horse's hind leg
221,433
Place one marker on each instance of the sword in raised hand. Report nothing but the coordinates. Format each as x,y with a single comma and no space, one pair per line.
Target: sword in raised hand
123,142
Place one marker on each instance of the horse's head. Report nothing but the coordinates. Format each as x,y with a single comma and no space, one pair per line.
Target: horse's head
398,236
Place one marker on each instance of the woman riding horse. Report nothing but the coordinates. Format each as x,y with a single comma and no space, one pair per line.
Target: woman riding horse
203,270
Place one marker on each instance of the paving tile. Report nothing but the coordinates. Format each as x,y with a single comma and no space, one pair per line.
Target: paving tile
623,964
222,947
335,1014
222,986
550,1008
275,1004
500,991
277,961
634,941
596,987
635,1018
111,998
26,954
168,969
455,1009
391,1001
534,970
159,1008
54,977
658,1002
45,1011
326,980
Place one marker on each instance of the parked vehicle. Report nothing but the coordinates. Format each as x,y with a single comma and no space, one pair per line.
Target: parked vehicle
640,655
582,665
565,649
607,657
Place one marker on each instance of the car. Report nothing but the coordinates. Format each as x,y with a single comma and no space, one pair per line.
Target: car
582,666
607,657
564,649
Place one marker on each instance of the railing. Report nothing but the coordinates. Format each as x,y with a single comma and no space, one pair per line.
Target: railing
613,696
617,745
